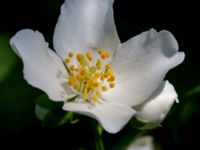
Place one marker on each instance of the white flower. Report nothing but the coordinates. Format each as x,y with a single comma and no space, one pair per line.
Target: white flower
154,110
106,84
142,143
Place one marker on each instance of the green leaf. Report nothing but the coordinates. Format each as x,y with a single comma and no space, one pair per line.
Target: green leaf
51,112
45,102
100,129
7,57
137,123
74,121
194,91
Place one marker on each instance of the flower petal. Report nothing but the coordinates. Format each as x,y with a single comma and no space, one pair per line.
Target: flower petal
85,25
42,67
142,143
112,116
41,112
157,106
141,64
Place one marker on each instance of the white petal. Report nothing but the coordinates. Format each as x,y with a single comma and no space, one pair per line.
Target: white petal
41,112
112,116
42,67
141,64
85,25
157,106
142,143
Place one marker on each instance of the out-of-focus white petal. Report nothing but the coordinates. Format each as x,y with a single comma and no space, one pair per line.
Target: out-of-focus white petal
41,112
142,143
154,110
42,67
112,116
141,64
85,25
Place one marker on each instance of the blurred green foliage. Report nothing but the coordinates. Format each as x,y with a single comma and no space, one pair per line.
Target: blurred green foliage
51,113
7,57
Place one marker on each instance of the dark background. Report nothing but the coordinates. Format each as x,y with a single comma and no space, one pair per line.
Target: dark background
18,124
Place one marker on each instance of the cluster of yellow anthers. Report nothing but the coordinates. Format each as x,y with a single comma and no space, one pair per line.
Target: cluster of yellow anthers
88,77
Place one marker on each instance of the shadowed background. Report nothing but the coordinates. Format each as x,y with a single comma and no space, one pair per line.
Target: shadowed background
18,124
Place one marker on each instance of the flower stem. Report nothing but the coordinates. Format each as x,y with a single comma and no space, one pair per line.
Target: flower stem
128,138
97,130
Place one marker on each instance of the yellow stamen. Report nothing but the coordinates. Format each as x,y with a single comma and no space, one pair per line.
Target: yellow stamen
78,77
90,58
82,72
76,87
96,84
86,85
71,74
110,73
112,78
104,88
72,67
112,85
94,98
78,56
67,60
108,66
99,67
105,55
85,95
97,93
97,75
106,74
100,51
70,54
92,88
70,82
89,77
88,55
102,78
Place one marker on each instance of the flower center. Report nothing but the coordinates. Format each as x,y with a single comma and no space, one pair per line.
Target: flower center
88,77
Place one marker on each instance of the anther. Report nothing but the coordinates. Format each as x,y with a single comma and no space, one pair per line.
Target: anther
70,82
108,66
112,85
86,85
67,60
112,78
76,87
78,77
78,56
94,98
72,67
96,84
70,54
88,78
85,95
104,88
99,67
100,51
88,55
105,55
97,93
